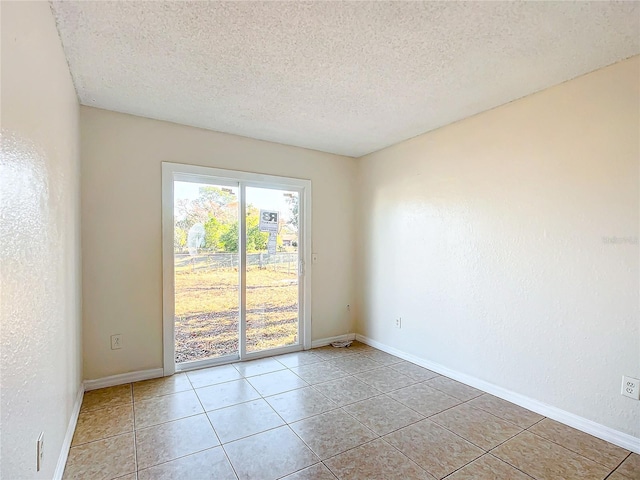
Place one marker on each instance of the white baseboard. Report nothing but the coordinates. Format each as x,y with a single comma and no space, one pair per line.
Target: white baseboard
68,437
123,378
611,435
327,341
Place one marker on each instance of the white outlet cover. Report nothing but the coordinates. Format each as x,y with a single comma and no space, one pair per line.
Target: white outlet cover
116,341
631,387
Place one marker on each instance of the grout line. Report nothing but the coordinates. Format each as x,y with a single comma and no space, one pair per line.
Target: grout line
535,423
353,448
407,457
103,438
623,460
135,436
574,451
578,453
177,458
253,434
514,466
330,471
618,466
467,439
212,427
145,427
226,455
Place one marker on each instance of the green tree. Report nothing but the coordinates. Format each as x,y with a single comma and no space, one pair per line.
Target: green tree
214,231
256,240
229,239
179,238
211,202
217,196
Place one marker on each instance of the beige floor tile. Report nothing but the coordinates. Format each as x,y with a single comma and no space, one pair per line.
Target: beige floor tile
258,367
453,388
299,404
591,447
101,460
319,372
376,460
276,382
226,394
543,459
161,386
297,359
630,467
213,375
332,433
102,423
414,371
211,464
269,455
344,391
314,472
330,353
383,358
384,379
107,397
131,476
508,411
383,414
244,419
359,347
477,426
617,476
171,440
155,410
354,364
424,399
434,448
488,467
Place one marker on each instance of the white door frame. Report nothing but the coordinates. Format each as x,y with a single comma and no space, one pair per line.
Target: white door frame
177,171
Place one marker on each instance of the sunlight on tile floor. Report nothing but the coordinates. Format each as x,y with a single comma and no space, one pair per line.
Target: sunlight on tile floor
355,413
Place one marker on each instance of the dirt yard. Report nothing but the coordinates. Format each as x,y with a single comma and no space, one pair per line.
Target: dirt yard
207,310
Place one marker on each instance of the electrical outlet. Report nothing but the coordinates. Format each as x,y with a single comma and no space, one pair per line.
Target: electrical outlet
116,341
399,322
348,308
40,452
631,387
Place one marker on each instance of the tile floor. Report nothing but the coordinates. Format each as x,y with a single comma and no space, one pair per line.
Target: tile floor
355,413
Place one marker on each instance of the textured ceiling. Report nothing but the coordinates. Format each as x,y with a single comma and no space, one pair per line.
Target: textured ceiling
347,78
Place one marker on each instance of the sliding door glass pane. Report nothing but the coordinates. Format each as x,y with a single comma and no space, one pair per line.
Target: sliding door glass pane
206,271
272,268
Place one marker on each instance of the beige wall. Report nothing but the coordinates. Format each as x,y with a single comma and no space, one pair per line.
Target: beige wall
121,228
39,241
492,239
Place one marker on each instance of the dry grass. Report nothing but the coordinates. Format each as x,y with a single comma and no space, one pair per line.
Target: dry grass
207,311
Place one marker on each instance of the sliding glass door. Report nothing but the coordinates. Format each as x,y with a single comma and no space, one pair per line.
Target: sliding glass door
234,249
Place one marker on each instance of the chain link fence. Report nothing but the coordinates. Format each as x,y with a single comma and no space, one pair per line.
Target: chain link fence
281,261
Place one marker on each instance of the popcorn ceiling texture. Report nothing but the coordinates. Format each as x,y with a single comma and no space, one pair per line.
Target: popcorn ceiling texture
347,78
